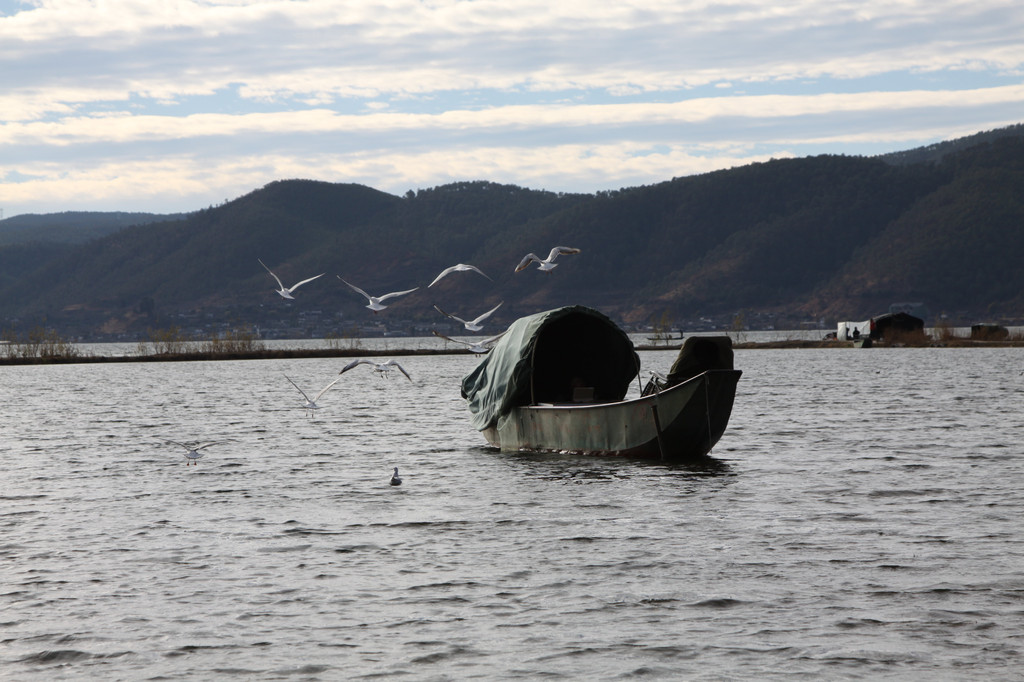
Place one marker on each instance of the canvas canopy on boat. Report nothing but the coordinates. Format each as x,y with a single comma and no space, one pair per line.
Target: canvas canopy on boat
697,355
700,354
544,357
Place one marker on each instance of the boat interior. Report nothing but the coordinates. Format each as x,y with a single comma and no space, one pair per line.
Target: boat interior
580,359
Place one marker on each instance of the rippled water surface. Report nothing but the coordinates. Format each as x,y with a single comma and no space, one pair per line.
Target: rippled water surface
862,520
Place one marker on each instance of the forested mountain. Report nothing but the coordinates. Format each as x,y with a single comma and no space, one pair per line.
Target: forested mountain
72,227
829,237
935,152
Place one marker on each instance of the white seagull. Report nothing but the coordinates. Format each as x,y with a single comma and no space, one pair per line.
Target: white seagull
192,453
375,301
474,346
383,369
474,324
548,264
395,478
310,405
286,292
461,267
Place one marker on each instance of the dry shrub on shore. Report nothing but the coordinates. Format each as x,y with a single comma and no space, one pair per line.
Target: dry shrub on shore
232,342
38,343
172,341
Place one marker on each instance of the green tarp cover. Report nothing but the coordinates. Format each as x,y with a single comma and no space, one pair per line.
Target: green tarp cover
543,357
698,355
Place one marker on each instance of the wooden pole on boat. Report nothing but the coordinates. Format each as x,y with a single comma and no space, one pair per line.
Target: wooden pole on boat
639,381
533,354
657,429
707,410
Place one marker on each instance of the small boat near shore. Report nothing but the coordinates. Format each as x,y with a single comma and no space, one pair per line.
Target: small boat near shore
557,380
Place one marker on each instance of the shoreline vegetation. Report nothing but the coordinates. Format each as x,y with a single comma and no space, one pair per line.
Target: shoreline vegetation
39,347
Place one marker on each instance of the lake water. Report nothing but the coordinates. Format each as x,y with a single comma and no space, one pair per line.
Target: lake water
863,521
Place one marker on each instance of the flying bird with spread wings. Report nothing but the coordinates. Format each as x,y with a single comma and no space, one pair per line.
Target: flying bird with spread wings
461,267
192,451
473,346
548,264
473,325
286,292
310,405
383,369
376,302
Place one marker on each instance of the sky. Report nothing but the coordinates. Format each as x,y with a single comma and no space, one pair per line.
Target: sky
178,105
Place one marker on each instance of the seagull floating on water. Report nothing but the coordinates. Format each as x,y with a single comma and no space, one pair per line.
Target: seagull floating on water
548,264
286,292
192,453
310,405
474,346
395,478
474,324
383,369
461,267
375,302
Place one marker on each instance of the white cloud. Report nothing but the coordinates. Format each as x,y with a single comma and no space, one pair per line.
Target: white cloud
187,181
109,99
278,49
123,128
167,181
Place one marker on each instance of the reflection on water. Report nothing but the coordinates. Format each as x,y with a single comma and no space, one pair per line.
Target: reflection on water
577,469
859,519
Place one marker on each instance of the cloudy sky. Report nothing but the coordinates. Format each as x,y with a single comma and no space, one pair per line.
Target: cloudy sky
176,105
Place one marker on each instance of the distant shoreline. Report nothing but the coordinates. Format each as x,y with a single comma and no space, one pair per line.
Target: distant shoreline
299,353
199,356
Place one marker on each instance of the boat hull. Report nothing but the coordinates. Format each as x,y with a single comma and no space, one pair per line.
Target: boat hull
680,423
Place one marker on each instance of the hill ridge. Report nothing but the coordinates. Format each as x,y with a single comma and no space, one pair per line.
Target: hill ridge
784,241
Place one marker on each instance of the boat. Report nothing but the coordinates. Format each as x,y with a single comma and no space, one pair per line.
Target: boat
889,327
663,332
557,381
665,337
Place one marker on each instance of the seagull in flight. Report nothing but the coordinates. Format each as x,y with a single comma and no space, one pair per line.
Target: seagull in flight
375,302
286,292
472,325
395,478
474,346
383,369
461,267
192,453
548,264
310,405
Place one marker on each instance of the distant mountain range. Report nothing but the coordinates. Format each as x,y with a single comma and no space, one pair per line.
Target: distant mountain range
776,243
72,227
